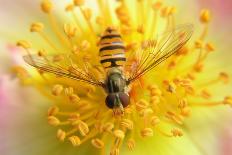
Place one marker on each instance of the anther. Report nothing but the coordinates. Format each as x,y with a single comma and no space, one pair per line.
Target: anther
205,16
119,134
69,7
157,5
74,98
141,104
46,6
61,135
182,103
58,58
108,127
68,91
209,47
205,94
155,120
126,123
224,77
78,2
114,151
146,112
52,120
41,53
83,128
85,45
87,13
70,30
177,132
146,132
228,100
24,44
131,144
57,89
97,143
155,100
75,140
52,111
36,27
198,44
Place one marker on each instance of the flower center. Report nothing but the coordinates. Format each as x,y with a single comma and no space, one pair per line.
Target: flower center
158,102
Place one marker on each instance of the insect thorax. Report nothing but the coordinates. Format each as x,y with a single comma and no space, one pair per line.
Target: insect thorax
115,81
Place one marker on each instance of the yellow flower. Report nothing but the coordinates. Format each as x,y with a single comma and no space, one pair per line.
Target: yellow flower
160,100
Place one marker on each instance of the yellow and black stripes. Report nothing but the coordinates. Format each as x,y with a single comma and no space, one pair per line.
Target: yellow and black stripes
112,49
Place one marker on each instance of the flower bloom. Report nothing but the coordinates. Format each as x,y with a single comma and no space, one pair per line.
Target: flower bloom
160,101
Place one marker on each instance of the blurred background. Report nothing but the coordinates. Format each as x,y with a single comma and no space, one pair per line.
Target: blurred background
22,108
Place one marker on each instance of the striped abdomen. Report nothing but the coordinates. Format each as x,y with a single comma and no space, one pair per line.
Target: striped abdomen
112,50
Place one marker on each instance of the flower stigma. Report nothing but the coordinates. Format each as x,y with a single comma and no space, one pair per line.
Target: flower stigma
159,102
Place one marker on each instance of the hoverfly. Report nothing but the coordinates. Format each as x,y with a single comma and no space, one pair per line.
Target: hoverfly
113,59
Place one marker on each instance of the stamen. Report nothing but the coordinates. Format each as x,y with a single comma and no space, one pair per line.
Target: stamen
147,132
83,128
61,135
119,134
52,120
52,111
97,143
75,140
57,90
131,144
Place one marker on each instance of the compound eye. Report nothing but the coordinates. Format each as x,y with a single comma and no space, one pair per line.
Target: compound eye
110,99
125,99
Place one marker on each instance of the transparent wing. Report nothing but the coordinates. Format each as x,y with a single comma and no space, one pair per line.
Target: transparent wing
51,65
153,52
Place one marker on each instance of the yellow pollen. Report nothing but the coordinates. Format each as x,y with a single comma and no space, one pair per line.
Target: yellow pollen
97,143
75,140
46,6
61,135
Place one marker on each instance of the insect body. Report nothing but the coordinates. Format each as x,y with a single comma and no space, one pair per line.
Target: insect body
113,59
112,53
